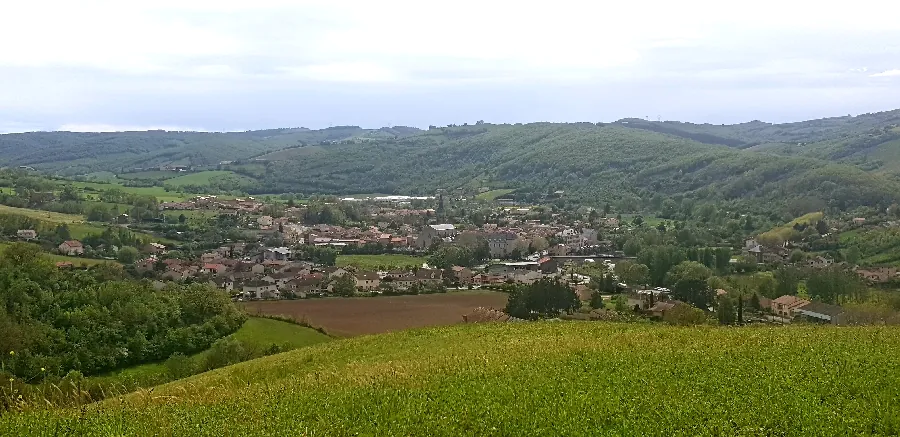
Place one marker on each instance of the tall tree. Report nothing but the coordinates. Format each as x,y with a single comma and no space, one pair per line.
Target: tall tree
688,281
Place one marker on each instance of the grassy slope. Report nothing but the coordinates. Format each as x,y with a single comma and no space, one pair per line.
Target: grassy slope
256,332
46,216
562,378
493,194
204,178
373,262
784,232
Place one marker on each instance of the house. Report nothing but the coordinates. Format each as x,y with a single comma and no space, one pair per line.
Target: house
306,285
224,283
279,279
583,292
265,221
27,234
65,265
463,275
820,312
71,248
145,265
213,269
819,262
878,275
525,277
784,306
501,244
431,234
277,254
260,290
859,221
429,276
659,309
155,248
367,281
559,250
571,238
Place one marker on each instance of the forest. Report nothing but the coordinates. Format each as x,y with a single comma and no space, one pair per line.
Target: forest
55,321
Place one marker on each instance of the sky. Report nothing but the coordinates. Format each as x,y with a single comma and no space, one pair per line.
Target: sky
229,65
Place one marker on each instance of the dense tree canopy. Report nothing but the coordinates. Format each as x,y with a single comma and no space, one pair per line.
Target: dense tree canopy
54,321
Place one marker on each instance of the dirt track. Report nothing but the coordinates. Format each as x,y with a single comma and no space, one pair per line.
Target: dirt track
372,315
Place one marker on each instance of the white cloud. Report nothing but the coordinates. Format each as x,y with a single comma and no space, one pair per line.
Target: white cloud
343,72
888,73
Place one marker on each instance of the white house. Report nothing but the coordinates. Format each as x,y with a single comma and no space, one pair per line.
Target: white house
27,234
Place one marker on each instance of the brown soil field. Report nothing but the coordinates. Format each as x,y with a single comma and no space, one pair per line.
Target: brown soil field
373,315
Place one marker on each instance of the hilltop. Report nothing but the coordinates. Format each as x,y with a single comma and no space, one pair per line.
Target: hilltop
542,378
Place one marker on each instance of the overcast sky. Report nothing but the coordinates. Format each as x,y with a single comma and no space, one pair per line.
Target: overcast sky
237,65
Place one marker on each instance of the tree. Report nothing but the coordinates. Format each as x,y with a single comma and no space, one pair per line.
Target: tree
344,285
632,273
545,298
852,255
632,247
740,309
754,302
596,300
725,311
688,281
684,315
833,285
660,259
182,218
62,233
822,227
787,279
127,255
797,256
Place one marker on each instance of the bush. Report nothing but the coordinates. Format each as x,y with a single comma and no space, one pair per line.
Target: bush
225,352
180,365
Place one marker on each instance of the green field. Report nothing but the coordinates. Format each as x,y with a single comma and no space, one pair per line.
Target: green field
376,262
204,178
159,192
46,216
257,333
527,379
78,262
493,194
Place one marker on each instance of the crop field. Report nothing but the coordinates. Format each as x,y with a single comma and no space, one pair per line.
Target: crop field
528,379
380,262
372,315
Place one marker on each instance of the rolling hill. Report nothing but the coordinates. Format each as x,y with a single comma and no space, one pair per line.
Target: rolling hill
541,378
74,153
841,162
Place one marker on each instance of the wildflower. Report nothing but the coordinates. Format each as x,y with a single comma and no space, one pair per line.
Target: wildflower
12,352
43,369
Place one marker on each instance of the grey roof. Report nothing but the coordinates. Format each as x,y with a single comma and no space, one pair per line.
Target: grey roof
444,227
821,308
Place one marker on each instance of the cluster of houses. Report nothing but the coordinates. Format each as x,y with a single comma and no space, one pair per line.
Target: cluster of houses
781,255
784,309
